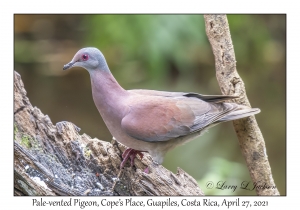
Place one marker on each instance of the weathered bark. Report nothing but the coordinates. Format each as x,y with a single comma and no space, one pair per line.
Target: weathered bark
55,160
250,137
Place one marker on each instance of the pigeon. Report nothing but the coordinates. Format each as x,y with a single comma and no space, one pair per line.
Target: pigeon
152,121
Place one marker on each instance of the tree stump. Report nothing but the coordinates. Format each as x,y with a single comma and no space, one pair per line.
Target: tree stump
56,160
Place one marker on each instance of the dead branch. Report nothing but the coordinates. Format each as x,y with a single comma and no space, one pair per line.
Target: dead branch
250,137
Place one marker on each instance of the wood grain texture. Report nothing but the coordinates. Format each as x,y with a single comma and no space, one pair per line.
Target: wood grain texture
56,160
250,137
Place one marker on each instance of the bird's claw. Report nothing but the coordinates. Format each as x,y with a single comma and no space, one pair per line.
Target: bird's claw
130,153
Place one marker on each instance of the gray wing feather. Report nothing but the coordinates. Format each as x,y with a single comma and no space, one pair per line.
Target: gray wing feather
207,98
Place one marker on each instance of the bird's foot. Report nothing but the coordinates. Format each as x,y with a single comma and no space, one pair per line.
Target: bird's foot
146,170
130,153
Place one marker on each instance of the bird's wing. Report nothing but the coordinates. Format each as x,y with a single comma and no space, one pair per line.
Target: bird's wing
207,98
157,118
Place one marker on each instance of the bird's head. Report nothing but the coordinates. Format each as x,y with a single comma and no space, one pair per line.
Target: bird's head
89,58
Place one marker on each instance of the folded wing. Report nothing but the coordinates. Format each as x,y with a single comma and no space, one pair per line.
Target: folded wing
165,115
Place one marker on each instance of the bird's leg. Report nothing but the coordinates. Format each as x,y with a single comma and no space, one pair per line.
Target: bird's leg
130,153
125,157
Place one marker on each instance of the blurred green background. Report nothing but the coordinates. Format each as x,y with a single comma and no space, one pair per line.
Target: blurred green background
161,52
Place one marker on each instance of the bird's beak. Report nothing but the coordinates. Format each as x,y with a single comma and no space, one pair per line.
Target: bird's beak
69,65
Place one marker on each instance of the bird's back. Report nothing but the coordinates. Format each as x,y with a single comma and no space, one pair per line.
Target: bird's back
161,116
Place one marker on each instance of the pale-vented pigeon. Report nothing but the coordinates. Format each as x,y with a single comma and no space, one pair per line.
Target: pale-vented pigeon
148,120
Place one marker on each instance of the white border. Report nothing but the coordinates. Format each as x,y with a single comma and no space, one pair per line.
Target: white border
8,8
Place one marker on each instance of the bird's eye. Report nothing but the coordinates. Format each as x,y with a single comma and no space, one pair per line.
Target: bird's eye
85,57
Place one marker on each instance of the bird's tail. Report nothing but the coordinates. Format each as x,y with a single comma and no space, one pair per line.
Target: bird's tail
240,112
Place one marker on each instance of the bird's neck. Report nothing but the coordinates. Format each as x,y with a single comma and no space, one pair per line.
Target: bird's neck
108,95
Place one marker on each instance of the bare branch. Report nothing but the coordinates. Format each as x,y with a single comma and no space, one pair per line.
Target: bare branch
250,137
